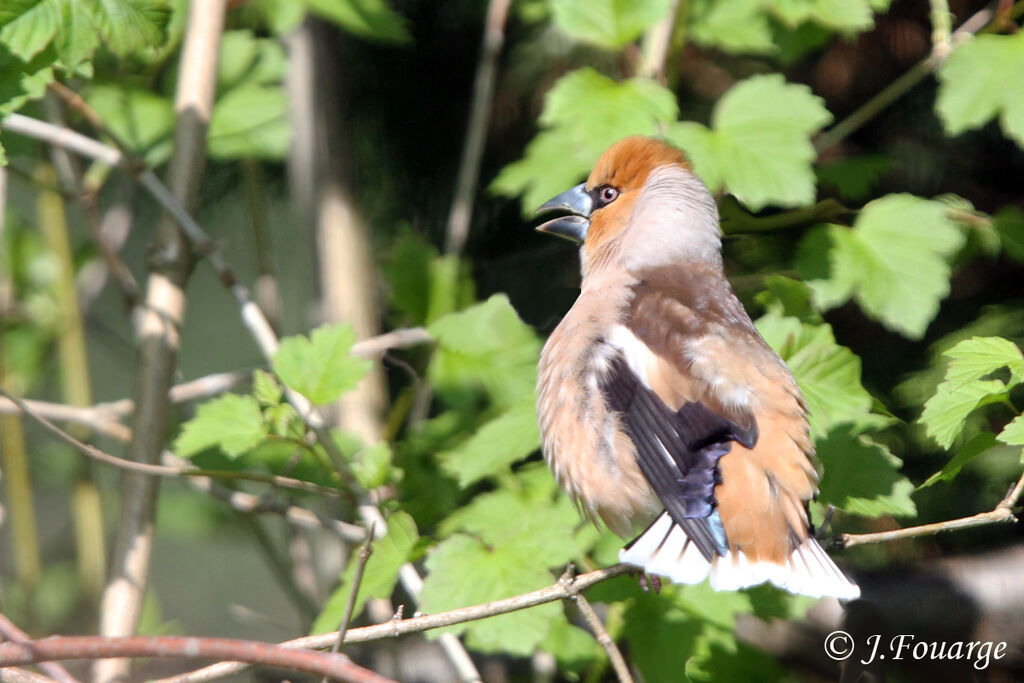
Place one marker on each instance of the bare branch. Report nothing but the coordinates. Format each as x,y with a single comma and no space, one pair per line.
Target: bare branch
337,666
364,556
10,631
901,85
476,129
1000,514
393,629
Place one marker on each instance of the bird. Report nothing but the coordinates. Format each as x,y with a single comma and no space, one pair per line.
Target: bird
663,413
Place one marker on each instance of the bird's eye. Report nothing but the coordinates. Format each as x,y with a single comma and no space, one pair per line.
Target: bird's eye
608,194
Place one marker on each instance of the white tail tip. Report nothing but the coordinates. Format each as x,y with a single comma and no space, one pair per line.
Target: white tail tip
665,550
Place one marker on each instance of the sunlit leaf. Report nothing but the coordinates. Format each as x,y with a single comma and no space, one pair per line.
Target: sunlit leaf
759,144
232,423
607,23
1013,433
508,438
862,477
982,79
320,367
373,19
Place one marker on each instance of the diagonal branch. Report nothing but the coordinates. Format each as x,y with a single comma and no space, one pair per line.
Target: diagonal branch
1002,513
340,667
561,590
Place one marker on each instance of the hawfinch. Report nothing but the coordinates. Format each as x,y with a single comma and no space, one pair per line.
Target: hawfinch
661,408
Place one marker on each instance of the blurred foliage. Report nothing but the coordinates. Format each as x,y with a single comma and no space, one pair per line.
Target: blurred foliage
899,314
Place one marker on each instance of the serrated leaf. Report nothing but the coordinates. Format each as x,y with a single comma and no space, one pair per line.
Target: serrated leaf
854,177
78,36
788,297
945,412
131,25
508,438
828,374
584,113
759,144
265,388
232,423
320,367
982,79
372,19
28,33
463,571
977,357
893,261
1013,433
521,522
980,444
389,553
607,23
486,346
862,477
21,81
739,26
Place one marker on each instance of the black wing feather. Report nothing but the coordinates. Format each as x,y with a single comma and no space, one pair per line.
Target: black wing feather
694,437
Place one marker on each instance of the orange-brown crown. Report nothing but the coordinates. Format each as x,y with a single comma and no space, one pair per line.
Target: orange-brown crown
625,166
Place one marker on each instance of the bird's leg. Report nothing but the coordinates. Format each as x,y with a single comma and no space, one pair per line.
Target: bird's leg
648,582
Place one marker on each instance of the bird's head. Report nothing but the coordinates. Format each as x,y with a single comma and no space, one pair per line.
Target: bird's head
641,206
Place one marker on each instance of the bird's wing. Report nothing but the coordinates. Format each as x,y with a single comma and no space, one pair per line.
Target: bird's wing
677,449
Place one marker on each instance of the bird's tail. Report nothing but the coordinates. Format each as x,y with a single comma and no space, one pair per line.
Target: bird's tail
665,549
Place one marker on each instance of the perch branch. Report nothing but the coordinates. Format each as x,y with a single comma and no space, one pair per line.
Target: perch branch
561,590
10,631
600,632
14,653
1002,513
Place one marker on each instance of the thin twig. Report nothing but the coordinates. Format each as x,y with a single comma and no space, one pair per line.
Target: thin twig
942,20
395,628
55,648
10,631
900,86
364,556
600,632
656,45
1001,514
476,129
155,470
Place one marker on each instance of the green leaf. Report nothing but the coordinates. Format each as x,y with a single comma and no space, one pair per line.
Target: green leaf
379,576
862,477
508,438
945,412
28,34
739,26
78,36
529,523
788,297
984,78
142,118
1013,433
759,145
489,347
22,81
131,25
980,444
977,357
828,374
250,121
607,23
320,367
584,113
232,423
372,19
13,9
463,571
893,261
265,388
847,16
